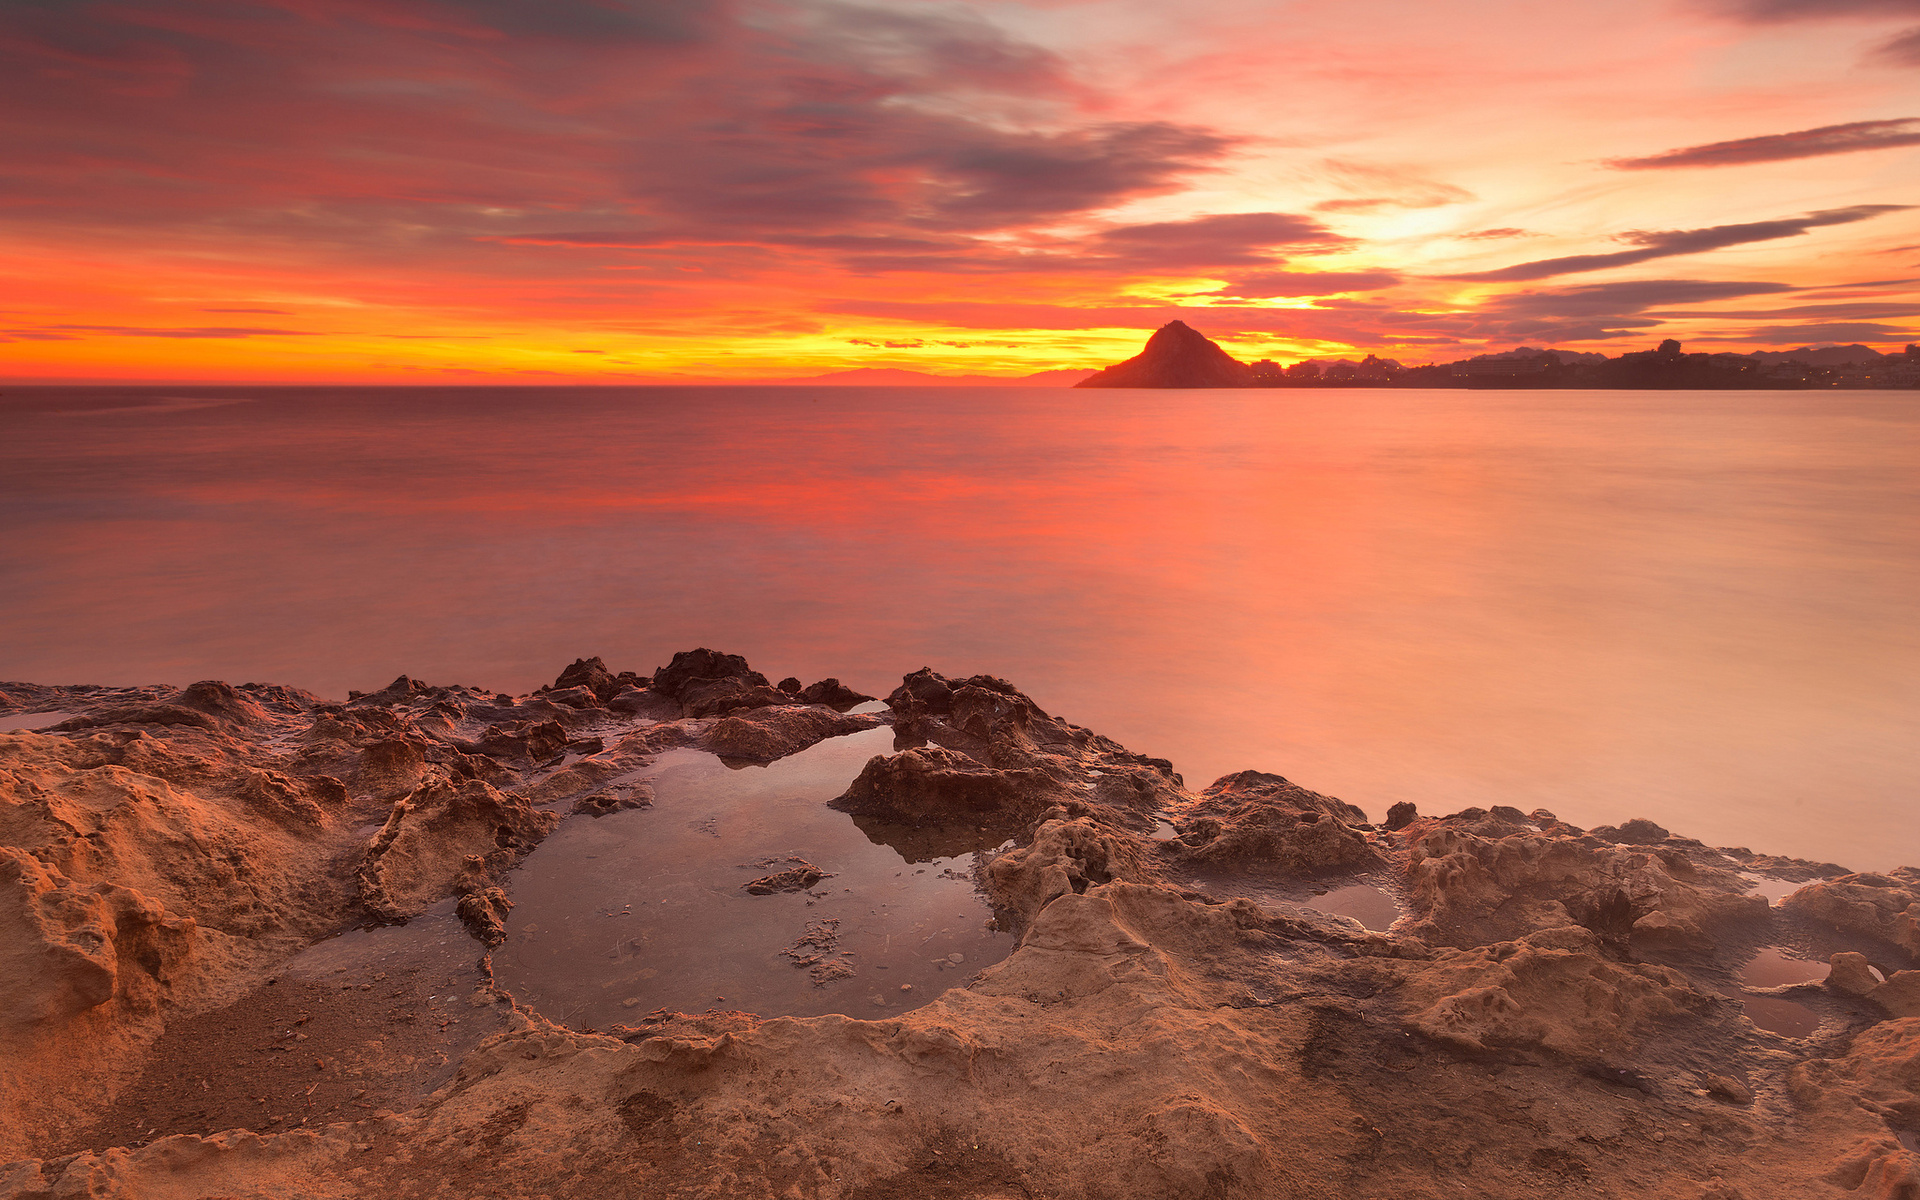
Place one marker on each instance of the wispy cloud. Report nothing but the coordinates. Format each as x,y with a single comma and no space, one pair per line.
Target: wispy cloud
1776,147
1669,243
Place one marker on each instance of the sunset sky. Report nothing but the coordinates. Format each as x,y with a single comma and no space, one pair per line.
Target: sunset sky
629,191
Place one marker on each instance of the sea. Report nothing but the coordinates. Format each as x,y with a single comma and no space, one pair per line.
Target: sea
1695,607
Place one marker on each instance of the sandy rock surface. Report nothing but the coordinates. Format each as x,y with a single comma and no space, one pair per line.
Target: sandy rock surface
1187,1013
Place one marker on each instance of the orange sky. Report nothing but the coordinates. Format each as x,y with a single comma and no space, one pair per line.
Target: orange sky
626,191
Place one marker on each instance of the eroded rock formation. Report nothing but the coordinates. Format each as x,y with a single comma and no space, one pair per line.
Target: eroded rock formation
1555,1011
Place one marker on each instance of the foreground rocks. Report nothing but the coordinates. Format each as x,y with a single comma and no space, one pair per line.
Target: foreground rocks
1555,1010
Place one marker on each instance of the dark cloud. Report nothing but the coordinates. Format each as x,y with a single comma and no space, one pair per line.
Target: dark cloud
1836,312
1222,239
1672,242
1804,143
1270,284
1625,298
1901,50
1769,11
1800,335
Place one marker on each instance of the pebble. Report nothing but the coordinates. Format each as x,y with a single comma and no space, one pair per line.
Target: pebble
956,957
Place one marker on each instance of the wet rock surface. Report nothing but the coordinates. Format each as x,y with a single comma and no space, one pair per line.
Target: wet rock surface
247,945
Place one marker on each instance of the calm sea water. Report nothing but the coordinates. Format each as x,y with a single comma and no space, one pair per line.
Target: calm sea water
1696,607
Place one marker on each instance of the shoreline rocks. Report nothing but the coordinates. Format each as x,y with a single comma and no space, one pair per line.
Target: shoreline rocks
1557,1009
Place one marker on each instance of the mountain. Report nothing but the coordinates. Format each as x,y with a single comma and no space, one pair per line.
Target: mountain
1821,356
1176,356
898,377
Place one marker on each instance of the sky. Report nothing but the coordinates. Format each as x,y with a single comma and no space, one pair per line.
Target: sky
634,191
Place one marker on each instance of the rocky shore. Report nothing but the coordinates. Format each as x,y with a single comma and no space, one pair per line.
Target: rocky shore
1554,1010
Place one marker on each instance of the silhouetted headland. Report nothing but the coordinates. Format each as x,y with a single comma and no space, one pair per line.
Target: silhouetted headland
1178,356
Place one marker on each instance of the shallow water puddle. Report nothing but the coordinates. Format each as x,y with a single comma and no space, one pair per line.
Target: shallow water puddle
1770,968
1785,1017
1775,890
34,720
1374,907
617,916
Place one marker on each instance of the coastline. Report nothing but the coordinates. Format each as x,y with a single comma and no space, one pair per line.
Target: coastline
1555,1007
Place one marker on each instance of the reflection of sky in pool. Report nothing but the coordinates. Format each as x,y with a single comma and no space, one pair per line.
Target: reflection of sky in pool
645,909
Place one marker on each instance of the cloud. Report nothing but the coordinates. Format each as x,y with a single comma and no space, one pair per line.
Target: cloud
1800,335
1672,242
278,312
1770,11
1625,298
1776,147
1222,239
1901,50
1272,284
1384,187
198,331
1489,235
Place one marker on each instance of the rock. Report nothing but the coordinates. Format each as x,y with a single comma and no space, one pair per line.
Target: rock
1883,907
391,767
631,796
693,667
442,839
1899,995
591,674
790,685
798,878
573,697
1731,1090
1259,820
1850,975
934,783
1401,815
834,694
484,913
714,697
1176,356
1637,832
764,734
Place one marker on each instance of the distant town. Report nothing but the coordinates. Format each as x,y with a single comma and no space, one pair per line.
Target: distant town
1665,367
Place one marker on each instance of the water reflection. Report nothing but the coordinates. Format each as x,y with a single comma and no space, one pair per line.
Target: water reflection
1701,601
646,909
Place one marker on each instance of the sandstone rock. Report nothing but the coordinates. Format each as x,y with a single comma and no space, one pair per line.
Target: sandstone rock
1728,1089
790,685
762,735
932,783
573,697
1850,974
636,795
833,693
710,698
591,674
797,878
1401,815
1899,995
692,667
1260,820
1637,832
484,913
421,853
1884,907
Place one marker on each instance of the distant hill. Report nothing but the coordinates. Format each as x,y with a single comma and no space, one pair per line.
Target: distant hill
899,377
1821,356
1176,356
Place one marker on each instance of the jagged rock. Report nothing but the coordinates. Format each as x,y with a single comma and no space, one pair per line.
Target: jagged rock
573,697
797,878
936,784
1885,907
1260,820
1637,832
691,667
1899,995
832,693
790,685
421,854
1066,857
1849,974
635,795
711,698
391,767
484,913
1401,815
1176,356
762,735
592,674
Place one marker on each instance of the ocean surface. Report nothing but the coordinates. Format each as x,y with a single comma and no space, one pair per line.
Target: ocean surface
1698,607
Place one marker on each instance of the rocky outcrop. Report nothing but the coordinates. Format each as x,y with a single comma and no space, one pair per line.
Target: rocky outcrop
764,734
1176,356
1252,819
1561,1011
